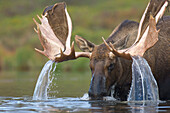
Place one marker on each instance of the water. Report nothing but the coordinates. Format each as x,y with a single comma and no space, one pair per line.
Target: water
144,86
17,88
43,82
69,104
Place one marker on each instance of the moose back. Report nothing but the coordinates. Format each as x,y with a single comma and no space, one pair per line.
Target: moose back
110,62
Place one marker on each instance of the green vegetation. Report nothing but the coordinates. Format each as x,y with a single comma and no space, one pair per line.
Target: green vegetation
92,19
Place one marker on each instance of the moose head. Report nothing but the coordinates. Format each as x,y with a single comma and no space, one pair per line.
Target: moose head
107,59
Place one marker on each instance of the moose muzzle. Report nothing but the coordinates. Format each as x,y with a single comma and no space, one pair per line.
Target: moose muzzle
97,88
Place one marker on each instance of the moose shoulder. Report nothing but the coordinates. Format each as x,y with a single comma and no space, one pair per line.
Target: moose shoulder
111,61
115,72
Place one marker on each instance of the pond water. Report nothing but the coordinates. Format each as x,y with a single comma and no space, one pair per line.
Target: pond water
66,95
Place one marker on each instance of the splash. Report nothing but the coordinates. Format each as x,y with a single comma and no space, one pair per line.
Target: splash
144,86
85,97
43,82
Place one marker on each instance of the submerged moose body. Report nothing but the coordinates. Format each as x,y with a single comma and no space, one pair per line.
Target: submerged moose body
110,62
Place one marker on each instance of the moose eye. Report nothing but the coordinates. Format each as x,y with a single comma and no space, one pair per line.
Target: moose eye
110,67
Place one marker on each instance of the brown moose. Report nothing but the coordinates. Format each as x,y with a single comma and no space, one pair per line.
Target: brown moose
111,61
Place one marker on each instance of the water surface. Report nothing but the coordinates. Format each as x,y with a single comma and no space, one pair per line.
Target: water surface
16,90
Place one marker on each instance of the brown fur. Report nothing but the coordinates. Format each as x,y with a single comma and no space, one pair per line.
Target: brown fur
120,69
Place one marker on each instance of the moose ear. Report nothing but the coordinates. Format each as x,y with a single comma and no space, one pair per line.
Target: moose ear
84,44
120,44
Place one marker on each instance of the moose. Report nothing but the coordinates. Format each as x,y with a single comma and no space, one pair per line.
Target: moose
111,61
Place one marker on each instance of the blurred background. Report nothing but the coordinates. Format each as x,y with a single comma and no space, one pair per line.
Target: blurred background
92,19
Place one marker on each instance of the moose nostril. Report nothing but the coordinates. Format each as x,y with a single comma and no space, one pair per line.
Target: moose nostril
97,96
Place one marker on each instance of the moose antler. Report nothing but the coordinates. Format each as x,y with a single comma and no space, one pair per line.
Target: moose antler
147,32
55,34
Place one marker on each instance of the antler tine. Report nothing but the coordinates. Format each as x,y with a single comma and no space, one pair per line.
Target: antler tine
56,42
37,24
162,10
72,48
67,56
72,55
152,8
120,53
40,51
148,40
152,36
107,45
61,53
35,30
147,36
40,37
39,17
114,50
